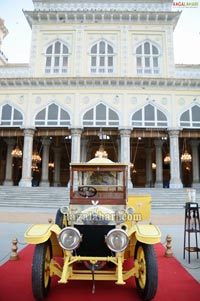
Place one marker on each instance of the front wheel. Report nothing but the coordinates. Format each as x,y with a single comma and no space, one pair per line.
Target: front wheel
41,278
147,282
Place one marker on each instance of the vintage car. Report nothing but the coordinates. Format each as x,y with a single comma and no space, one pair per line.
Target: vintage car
100,228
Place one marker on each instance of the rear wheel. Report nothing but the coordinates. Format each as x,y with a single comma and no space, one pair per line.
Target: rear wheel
147,281
41,278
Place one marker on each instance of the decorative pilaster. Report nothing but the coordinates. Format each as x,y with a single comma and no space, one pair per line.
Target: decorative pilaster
26,180
45,162
76,145
8,178
125,135
159,166
195,163
175,181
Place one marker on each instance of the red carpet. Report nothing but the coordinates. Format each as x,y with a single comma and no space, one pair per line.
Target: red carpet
174,283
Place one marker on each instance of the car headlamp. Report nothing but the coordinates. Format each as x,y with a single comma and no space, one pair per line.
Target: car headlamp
69,238
117,240
64,210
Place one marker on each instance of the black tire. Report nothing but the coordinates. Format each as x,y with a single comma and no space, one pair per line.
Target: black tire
41,279
147,282
60,219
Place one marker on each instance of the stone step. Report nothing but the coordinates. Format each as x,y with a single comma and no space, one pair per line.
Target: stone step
163,198
55,197
36,197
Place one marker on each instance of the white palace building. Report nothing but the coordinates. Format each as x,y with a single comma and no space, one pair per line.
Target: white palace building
101,76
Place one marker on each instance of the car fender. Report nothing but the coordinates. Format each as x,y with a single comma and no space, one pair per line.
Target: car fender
39,233
147,233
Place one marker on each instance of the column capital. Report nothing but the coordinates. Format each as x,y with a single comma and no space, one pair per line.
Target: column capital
194,142
76,131
29,131
126,132
148,150
46,141
158,142
57,149
10,141
174,132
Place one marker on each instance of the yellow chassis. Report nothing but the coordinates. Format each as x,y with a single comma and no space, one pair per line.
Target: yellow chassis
67,272
145,233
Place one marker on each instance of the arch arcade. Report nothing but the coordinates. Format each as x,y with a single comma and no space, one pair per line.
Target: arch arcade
144,145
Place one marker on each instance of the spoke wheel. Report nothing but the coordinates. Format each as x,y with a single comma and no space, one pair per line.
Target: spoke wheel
147,281
41,278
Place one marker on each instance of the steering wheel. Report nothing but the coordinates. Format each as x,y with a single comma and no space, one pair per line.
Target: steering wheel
87,191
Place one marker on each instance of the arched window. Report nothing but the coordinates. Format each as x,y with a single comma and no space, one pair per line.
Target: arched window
102,58
57,55
101,116
147,59
52,115
191,118
149,116
9,116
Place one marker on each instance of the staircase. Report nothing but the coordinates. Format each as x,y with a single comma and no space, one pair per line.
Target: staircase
33,197
56,197
166,198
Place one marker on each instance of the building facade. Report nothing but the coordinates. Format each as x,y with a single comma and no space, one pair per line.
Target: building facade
101,74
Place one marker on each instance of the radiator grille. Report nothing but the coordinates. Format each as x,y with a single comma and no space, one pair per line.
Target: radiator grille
93,240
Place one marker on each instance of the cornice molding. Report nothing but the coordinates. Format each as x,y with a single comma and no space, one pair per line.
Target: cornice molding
97,82
103,5
141,17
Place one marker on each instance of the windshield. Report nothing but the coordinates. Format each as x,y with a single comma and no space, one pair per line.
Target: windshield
105,180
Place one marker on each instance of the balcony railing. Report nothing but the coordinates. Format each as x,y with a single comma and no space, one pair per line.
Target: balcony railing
15,71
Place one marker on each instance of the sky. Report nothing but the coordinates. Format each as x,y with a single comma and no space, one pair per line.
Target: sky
16,45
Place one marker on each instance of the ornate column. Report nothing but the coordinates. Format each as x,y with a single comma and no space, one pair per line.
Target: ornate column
76,145
8,178
76,148
175,181
125,135
2,164
26,180
118,150
159,166
45,161
83,149
57,158
195,163
149,180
